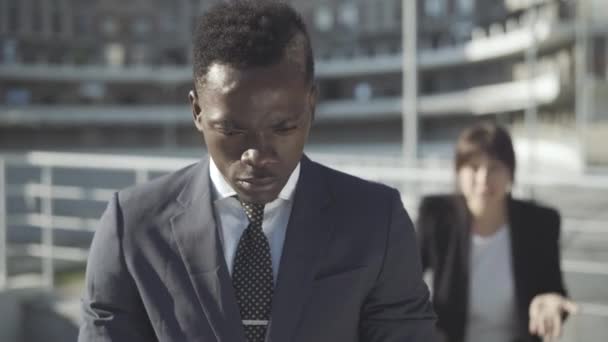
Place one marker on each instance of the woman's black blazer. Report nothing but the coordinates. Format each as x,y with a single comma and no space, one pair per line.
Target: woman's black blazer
444,238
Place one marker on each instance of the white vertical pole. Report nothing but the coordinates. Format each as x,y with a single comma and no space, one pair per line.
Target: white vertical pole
141,176
48,272
410,82
531,111
3,227
581,90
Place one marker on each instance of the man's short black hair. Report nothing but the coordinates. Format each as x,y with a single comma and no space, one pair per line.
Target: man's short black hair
251,33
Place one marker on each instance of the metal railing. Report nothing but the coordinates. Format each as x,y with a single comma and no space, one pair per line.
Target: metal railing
46,190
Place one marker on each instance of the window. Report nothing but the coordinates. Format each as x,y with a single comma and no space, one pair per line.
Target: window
9,51
363,92
141,26
36,16
138,54
13,16
56,24
109,26
349,14
434,8
167,22
82,22
465,7
387,17
370,16
600,57
115,54
324,19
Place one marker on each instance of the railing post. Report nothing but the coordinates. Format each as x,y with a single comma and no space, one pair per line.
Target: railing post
141,176
3,228
48,271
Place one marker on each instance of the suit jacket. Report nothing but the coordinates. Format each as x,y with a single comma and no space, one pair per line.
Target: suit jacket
445,239
350,269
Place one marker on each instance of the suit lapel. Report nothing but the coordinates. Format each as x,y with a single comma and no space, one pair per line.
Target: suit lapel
307,233
196,235
519,262
460,254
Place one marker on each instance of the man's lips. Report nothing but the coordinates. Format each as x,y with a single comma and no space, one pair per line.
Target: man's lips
258,183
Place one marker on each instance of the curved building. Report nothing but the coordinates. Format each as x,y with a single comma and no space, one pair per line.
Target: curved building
116,74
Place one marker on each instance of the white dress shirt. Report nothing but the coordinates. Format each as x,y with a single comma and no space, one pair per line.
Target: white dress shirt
492,313
232,221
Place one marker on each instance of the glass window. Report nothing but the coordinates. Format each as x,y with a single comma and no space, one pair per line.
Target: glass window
600,57
13,16
434,8
141,26
115,54
36,16
324,19
110,26
349,14
82,23
465,7
9,51
56,17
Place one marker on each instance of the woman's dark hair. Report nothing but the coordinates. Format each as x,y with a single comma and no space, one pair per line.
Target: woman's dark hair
485,138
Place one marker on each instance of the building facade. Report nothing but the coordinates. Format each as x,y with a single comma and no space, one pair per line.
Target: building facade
94,68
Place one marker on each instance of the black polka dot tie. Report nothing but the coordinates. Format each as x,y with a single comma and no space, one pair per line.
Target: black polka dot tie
252,275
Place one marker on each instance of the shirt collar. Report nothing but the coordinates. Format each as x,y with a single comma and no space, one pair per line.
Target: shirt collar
222,190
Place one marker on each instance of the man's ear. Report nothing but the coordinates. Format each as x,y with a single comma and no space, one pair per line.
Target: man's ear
196,110
312,100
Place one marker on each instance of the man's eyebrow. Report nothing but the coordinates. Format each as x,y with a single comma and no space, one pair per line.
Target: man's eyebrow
224,123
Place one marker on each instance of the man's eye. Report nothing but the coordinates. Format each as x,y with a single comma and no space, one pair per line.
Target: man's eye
229,131
284,129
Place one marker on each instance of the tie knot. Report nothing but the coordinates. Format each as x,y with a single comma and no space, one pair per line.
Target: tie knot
254,212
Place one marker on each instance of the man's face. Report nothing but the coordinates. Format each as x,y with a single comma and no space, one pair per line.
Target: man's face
255,123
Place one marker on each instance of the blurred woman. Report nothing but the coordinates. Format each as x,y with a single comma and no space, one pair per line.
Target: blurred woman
495,259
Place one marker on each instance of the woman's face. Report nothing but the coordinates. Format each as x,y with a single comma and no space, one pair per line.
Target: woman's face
484,182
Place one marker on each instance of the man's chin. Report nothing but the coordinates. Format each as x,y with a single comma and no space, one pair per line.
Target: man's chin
258,197
257,193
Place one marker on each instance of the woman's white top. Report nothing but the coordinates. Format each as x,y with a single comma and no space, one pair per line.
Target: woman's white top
492,314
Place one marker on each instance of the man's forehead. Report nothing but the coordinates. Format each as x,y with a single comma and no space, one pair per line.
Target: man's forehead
221,77
225,78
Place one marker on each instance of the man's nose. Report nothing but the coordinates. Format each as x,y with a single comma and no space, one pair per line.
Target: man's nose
260,153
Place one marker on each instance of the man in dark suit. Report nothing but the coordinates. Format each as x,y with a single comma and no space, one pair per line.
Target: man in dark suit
256,242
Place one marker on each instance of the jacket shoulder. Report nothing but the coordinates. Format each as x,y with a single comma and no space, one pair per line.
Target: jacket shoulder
157,192
437,204
535,210
350,187
539,218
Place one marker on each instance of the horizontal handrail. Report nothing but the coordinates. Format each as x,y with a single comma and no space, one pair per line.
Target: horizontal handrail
78,223
98,161
593,309
58,221
396,172
141,167
58,252
80,254
64,192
